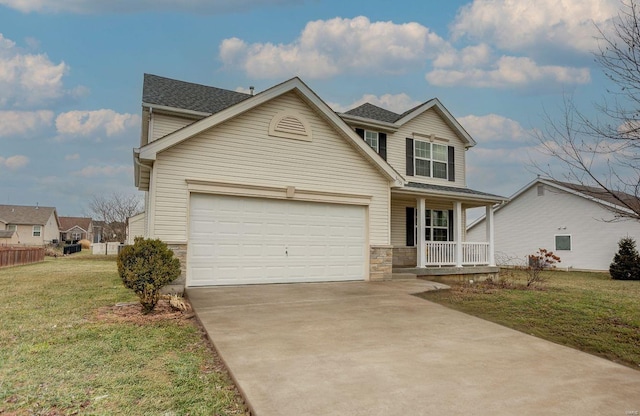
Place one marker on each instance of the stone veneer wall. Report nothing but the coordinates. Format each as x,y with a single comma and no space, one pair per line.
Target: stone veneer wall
380,262
177,286
404,257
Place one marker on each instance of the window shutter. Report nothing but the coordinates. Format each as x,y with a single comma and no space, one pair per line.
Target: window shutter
451,225
409,156
382,145
360,132
452,165
411,215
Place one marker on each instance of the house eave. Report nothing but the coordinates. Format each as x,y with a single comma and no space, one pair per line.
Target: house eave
176,110
367,122
478,200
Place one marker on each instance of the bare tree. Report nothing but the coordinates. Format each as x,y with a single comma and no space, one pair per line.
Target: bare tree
602,154
113,210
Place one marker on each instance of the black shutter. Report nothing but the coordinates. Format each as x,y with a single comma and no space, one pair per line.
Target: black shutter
409,156
451,225
382,145
360,132
411,215
452,165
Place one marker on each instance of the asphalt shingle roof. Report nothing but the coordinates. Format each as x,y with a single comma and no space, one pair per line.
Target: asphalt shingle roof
67,223
188,96
374,112
618,198
25,215
450,189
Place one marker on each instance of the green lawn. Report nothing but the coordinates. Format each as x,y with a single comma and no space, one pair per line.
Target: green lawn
587,311
57,357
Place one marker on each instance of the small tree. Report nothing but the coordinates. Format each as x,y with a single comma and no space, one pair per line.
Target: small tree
538,263
146,267
626,262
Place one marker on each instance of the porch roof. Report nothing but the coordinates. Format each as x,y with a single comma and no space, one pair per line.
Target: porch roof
466,195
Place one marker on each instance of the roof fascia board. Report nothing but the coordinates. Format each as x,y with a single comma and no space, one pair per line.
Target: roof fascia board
369,122
586,196
442,110
458,195
175,110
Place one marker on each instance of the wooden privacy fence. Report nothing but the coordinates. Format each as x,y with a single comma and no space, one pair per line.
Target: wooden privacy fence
16,256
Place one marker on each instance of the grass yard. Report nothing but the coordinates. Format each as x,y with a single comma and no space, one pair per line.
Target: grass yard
62,352
587,311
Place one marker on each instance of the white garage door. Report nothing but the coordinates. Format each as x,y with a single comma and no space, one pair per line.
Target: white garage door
236,240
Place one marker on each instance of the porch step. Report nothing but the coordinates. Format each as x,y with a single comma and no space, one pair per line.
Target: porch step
403,276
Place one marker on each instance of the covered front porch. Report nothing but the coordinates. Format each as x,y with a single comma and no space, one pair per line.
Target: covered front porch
428,230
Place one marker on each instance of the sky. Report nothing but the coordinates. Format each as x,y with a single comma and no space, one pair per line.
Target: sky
71,75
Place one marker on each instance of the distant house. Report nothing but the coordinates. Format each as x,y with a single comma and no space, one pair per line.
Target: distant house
28,225
135,227
576,222
76,228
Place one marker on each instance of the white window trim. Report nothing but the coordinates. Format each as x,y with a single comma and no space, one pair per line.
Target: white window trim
39,231
431,160
429,228
555,242
12,227
377,147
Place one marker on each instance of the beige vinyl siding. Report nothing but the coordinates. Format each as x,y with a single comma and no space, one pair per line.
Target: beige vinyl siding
241,151
164,124
398,217
426,123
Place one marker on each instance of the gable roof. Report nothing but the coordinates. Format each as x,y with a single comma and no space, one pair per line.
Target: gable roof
67,223
367,113
27,215
596,195
148,152
167,92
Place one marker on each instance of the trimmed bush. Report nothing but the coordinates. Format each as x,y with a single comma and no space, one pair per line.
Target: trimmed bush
146,267
626,262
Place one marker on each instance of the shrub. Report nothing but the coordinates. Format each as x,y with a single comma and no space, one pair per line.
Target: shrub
538,262
626,262
86,244
145,267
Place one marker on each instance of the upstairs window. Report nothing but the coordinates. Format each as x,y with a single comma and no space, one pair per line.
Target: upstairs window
376,140
371,137
11,227
37,229
430,160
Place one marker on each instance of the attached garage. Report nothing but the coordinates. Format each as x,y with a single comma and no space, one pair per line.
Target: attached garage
243,240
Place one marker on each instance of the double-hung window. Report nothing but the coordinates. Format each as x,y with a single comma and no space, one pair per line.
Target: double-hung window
12,227
431,159
437,225
37,229
371,137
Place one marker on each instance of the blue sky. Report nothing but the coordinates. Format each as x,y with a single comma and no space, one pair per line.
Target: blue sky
71,74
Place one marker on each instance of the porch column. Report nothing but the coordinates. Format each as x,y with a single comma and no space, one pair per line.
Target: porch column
490,236
457,231
421,255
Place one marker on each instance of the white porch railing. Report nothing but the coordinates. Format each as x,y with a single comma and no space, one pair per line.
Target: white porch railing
443,253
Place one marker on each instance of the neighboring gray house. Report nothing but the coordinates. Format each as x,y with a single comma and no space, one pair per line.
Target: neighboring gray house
573,221
28,225
276,187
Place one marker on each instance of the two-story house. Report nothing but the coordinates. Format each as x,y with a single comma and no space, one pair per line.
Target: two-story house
276,187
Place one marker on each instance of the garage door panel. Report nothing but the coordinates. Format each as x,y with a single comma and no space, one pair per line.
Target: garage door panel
235,240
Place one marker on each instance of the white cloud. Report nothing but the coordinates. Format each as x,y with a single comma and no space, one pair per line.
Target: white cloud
495,128
508,72
398,103
128,6
328,47
517,25
106,170
14,162
85,123
26,79
22,123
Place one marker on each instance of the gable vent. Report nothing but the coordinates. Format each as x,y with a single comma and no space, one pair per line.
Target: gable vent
290,125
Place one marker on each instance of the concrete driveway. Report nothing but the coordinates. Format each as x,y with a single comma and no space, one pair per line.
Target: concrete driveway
372,349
